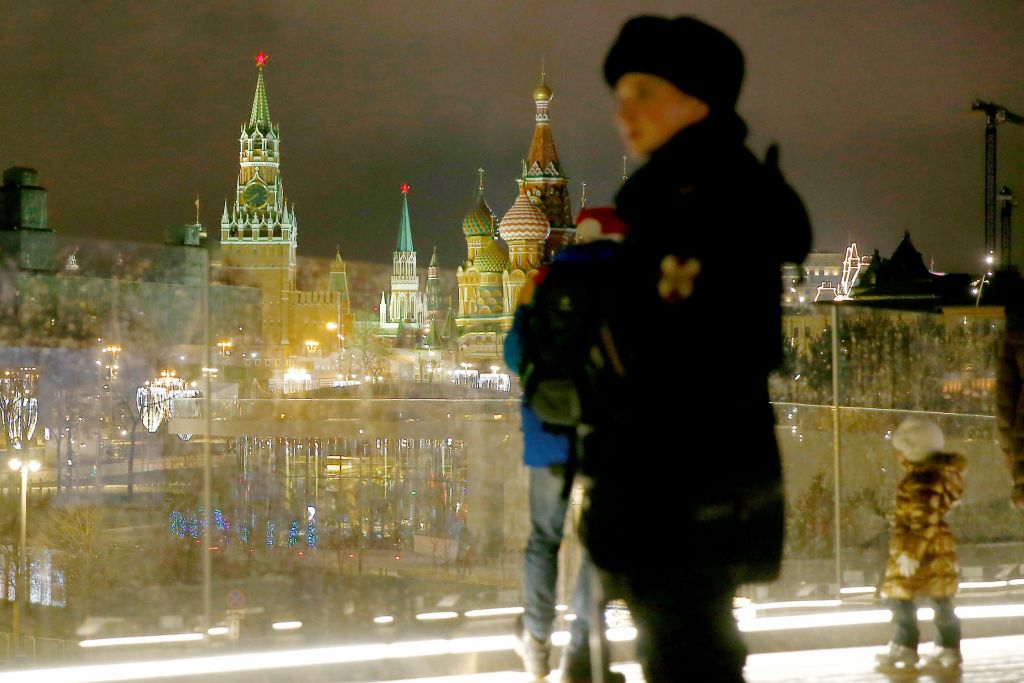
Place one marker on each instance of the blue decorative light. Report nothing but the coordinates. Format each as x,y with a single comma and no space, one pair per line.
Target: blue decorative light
178,524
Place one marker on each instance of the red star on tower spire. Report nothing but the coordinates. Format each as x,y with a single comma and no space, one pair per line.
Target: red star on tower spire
261,59
405,188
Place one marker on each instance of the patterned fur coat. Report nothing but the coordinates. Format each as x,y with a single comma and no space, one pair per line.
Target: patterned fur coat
1010,404
927,492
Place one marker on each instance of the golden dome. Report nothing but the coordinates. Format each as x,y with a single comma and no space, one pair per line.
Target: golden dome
542,91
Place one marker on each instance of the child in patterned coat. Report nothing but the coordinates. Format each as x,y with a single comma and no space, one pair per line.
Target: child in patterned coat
922,551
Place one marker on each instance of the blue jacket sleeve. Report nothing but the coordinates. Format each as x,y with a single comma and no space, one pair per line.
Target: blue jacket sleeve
513,351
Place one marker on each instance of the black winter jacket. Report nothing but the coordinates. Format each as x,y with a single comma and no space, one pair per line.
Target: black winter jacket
694,436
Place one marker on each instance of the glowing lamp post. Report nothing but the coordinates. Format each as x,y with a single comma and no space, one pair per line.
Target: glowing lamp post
154,400
112,367
19,409
21,583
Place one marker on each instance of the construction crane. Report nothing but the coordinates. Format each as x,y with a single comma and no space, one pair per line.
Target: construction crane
994,115
1006,204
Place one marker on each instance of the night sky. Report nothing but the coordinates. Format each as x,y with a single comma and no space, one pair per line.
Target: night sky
130,109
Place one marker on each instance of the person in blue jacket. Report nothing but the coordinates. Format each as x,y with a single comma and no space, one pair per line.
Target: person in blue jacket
546,452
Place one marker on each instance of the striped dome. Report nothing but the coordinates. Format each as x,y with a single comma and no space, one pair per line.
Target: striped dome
479,221
491,259
524,221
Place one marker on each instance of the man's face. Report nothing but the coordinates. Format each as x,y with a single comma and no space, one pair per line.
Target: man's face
650,111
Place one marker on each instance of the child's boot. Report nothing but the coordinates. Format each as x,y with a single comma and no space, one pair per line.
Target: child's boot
943,658
897,656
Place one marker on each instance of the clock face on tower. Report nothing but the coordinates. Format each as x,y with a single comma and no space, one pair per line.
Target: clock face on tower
255,196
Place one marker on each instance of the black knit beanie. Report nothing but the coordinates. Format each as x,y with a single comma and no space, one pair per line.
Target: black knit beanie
698,59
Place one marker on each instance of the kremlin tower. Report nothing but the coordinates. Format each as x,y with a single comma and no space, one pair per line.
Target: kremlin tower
258,231
405,305
258,235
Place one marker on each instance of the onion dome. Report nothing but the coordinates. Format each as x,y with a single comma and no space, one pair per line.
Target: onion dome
479,222
524,222
542,91
491,259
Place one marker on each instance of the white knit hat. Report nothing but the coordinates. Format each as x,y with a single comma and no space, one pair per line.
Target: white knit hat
918,438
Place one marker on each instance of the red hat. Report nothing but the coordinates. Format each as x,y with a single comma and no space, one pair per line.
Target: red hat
600,222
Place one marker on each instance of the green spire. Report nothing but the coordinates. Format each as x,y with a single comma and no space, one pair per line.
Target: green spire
405,228
450,330
433,338
260,117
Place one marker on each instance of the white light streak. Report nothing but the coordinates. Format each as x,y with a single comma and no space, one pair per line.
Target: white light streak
989,611
286,625
983,584
141,640
493,612
435,616
799,621
256,661
795,604
785,664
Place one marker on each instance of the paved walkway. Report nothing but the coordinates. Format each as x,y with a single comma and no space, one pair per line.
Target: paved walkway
986,660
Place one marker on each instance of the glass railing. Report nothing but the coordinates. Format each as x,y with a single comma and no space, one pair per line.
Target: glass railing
186,494
834,426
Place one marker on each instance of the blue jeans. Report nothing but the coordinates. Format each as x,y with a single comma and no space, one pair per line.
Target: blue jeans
547,520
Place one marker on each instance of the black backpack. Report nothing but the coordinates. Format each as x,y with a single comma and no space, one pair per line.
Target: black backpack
560,334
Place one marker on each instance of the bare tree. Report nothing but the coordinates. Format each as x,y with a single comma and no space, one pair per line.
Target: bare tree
369,354
77,531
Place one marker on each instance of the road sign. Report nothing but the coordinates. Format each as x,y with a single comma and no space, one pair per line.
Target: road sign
236,599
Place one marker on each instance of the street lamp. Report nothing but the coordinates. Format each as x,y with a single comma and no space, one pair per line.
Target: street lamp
21,583
114,350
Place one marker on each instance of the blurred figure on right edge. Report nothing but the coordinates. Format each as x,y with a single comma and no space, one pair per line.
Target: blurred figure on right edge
684,451
1008,289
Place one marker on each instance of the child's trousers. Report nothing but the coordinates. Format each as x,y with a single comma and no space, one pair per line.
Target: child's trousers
907,633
